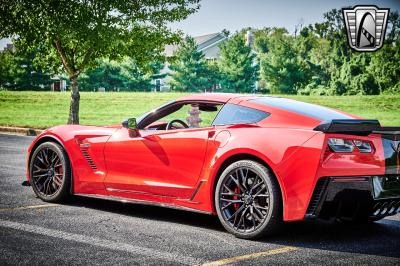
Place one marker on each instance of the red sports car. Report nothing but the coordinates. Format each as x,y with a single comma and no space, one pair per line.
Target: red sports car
254,161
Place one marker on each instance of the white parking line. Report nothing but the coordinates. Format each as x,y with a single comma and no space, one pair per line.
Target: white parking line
142,251
29,207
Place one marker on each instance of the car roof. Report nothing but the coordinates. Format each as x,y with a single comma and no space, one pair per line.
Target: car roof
273,104
212,97
315,111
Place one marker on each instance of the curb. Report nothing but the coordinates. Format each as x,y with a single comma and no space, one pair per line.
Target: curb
20,131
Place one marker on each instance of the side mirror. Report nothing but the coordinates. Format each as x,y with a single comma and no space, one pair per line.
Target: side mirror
130,123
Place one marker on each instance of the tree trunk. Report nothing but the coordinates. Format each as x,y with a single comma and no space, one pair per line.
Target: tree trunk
74,105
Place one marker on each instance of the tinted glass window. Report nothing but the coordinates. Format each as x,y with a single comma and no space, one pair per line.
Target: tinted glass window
194,115
232,114
307,109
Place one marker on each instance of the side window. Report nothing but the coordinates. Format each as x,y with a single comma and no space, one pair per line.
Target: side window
232,114
195,115
191,115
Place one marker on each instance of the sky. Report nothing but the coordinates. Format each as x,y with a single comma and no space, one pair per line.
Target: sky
216,15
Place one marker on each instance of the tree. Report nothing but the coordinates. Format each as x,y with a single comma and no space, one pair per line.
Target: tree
385,63
76,33
29,76
213,75
8,66
282,67
190,72
106,75
19,72
120,76
139,78
238,65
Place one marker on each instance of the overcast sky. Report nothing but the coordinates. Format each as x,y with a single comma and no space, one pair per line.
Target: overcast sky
233,15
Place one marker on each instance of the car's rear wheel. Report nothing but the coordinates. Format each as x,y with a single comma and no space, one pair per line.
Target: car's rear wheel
50,172
247,200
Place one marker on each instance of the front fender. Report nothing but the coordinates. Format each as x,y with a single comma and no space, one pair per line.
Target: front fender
88,175
42,137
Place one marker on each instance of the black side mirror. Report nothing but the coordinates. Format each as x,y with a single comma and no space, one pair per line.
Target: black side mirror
130,123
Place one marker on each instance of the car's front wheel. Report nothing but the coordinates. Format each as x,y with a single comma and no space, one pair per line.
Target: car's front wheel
50,172
247,200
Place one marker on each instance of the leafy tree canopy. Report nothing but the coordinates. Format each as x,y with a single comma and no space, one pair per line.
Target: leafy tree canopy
238,65
120,76
319,60
74,33
19,72
190,70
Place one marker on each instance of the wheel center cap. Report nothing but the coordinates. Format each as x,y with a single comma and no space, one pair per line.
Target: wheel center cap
50,172
248,199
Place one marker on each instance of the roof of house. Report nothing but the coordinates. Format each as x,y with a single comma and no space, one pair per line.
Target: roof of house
203,38
171,48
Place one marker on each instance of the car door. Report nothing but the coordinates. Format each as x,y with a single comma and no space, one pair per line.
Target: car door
157,162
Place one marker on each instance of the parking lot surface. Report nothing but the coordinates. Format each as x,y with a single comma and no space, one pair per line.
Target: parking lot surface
90,231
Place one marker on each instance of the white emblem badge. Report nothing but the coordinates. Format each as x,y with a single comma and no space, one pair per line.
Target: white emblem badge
366,27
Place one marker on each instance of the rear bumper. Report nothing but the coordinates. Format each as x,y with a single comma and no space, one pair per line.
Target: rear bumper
355,197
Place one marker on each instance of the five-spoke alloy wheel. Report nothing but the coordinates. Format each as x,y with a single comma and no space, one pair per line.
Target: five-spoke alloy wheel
247,200
50,172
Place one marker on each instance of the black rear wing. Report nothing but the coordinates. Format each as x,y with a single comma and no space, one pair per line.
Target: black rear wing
361,127
388,131
392,133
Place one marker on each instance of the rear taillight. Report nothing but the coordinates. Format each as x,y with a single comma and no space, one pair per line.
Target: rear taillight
340,145
363,146
349,145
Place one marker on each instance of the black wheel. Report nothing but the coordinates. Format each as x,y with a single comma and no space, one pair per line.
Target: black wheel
50,172
247,200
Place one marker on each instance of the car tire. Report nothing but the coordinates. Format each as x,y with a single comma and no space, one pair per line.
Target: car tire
50,172
261,214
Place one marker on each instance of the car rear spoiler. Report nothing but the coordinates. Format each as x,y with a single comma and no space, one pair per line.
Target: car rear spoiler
361,127
392,133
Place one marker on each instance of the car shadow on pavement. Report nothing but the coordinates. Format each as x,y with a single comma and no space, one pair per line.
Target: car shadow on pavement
381,238
149,212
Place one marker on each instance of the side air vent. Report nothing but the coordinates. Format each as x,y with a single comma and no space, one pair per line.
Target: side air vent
316,197
89,159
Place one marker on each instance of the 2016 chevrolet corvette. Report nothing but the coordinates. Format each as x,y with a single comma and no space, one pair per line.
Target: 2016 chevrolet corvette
253,161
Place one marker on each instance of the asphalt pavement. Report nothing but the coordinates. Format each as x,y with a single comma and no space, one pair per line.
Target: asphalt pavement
99,232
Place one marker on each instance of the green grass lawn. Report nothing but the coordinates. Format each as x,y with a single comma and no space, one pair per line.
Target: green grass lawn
45,109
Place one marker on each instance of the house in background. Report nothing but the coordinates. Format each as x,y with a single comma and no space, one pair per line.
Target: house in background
208,44
9,47
59,84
